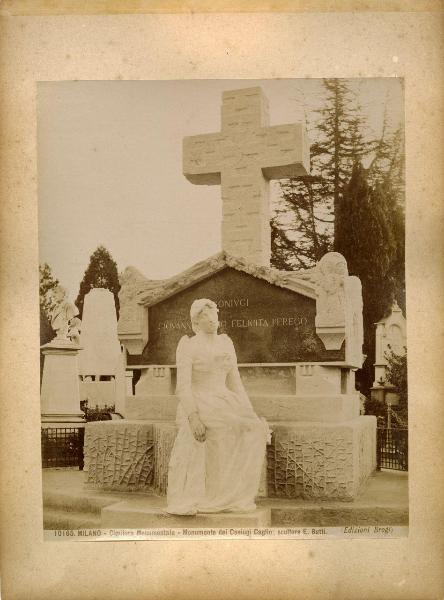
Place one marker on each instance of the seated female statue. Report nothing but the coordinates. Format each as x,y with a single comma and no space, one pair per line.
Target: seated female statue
219,450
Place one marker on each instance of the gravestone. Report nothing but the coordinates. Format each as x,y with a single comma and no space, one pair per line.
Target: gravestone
298,335
391,333
267,323
60,394
101,361
298,349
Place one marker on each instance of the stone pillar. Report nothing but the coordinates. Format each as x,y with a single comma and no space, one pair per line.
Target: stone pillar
60,393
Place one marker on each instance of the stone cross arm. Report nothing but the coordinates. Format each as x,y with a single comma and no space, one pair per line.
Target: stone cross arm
280,151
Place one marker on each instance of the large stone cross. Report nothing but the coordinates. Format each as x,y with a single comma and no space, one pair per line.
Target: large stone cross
242,158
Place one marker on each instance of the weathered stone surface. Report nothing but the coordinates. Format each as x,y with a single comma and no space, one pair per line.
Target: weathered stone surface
267,323
324,461
156,380
268,379
101,361
101,354
60,393
131,315
164,436
273,407
339,307
309,460
321,409
119,455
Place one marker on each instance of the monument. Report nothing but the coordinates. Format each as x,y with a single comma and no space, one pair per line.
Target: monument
60,393
391,334
298,335
101,361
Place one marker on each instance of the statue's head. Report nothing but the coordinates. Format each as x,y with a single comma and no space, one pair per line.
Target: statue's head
333,263
59,293
204,316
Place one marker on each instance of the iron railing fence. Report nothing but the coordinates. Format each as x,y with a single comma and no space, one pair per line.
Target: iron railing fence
62,447
392,449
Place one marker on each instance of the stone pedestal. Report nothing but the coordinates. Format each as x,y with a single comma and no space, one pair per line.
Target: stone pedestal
60,393
119,455
321,460
133,456
321,448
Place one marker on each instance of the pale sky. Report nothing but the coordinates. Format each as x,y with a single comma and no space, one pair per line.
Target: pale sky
110,166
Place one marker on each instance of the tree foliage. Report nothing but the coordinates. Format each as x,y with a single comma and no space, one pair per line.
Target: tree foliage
46,284
366,237
396,372
100,273
305,213
345,207
305,220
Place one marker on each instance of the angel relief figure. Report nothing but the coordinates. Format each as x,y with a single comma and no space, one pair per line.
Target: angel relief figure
330,277
219,450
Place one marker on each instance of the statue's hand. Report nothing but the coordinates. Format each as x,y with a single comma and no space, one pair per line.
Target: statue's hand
197,427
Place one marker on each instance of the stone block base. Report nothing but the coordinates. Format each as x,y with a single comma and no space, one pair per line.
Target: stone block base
164,436
133,456
119,455
321,460
140,513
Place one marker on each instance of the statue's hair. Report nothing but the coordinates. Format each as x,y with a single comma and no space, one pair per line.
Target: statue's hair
196,308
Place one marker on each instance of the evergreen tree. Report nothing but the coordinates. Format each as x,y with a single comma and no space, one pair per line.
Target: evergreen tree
340,139
101,273
306,210
46,284
342,206
306,214
302,225
366,235
397,376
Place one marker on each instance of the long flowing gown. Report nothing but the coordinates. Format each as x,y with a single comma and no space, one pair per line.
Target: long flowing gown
223,473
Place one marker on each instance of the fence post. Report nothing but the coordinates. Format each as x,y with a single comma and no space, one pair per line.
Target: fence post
378,447
80,447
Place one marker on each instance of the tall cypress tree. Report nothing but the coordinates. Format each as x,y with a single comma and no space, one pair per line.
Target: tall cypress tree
101,273
367,235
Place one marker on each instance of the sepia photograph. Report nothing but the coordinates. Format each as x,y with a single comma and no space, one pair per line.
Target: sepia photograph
223,346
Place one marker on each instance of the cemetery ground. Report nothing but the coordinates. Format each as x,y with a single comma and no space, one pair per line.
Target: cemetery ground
70,504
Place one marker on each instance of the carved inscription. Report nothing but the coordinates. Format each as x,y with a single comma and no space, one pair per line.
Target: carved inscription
266,323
